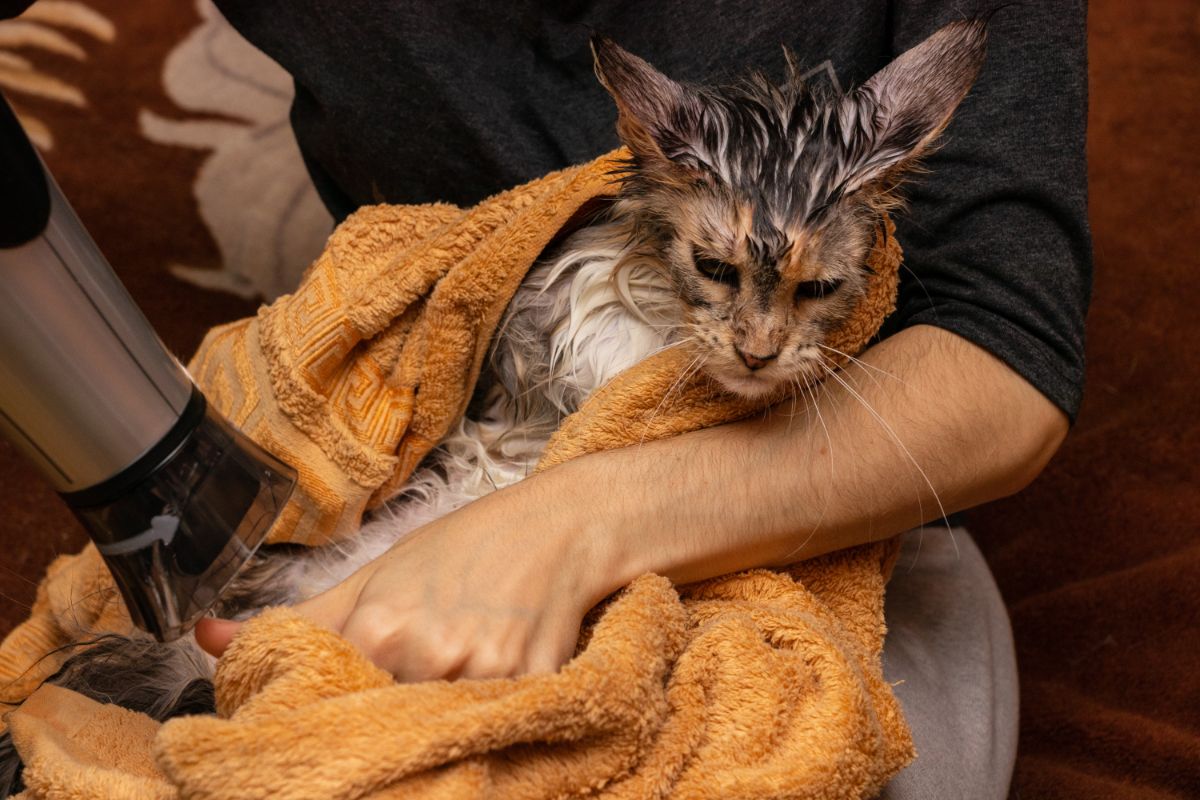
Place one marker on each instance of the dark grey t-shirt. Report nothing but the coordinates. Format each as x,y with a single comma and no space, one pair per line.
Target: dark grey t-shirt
410,101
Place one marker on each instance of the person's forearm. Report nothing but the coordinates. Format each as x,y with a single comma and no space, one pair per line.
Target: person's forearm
800,482
499,587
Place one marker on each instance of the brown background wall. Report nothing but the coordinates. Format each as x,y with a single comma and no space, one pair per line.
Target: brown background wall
1099,560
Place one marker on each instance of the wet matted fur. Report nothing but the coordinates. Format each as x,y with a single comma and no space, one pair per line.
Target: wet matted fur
741,231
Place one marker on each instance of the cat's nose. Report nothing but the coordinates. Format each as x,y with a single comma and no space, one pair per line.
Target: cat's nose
753,361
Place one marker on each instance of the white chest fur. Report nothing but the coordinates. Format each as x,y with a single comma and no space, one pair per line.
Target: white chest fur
584,313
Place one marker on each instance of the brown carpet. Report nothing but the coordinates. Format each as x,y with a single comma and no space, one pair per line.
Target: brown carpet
1099,560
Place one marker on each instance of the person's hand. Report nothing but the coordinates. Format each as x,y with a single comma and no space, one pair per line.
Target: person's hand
482,593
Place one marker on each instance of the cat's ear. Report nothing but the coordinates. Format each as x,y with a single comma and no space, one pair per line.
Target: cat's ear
903,107
659,119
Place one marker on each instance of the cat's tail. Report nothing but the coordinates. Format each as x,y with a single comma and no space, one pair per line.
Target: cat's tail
161,680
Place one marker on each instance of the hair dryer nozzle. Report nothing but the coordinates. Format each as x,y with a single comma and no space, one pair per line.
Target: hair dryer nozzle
177,525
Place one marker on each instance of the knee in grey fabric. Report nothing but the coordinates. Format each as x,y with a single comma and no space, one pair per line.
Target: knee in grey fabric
949,651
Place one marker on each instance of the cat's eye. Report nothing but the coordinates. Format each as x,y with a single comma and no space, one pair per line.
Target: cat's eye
716,270
815,290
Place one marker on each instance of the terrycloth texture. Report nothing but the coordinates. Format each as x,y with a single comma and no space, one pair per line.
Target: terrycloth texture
755,685
356,377
75,601
79,748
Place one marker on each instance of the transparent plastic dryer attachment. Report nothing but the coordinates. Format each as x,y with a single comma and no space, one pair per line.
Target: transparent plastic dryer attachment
191,512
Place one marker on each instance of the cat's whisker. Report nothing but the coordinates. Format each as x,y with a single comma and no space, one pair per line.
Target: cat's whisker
812,401
18,575
854,377
663,349
74,603
694,366
23,606
828,437
864,365
794,386
832,473
17,679
921,283
678,386
920,503
487,473
666,395
904,449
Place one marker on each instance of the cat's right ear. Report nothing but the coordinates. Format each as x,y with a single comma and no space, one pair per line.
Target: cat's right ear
659,118
899,112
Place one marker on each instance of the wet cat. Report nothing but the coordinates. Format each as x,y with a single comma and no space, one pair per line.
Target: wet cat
740,231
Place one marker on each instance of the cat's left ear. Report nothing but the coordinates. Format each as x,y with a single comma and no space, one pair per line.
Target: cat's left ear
905,105
659,119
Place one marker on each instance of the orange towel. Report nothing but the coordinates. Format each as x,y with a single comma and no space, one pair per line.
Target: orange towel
756,685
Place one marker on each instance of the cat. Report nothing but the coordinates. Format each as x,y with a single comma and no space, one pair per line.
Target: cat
741,228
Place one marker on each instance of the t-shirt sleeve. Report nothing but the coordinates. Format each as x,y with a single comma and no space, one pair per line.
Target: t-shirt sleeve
14,8
996,241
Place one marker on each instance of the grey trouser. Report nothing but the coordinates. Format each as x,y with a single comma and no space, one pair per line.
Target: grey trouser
949,650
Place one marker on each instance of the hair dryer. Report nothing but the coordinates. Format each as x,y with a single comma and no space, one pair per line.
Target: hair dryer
173,496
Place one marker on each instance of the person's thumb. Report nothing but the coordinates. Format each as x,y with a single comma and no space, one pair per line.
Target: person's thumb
329,609
214,635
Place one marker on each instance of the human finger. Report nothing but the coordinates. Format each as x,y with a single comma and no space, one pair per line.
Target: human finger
214,635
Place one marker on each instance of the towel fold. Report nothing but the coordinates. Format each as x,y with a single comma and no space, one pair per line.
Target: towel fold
761,684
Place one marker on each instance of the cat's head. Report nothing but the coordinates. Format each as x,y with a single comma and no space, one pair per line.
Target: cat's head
762,200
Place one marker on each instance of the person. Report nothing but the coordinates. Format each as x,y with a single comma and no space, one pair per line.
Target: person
974,381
